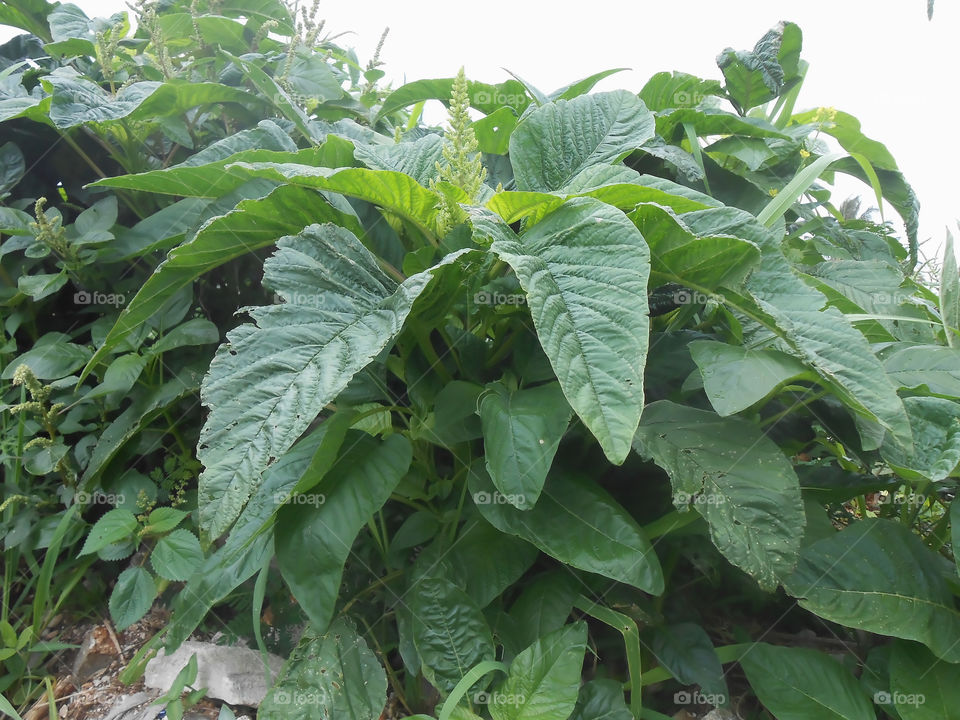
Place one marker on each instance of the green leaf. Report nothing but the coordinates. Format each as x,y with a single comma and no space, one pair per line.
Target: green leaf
950,293
930,369
667,90
521,432
823,338
177,555
310,78
753,78
417,159
735,477
163,519
493,131
49,360
269,90
544,680
752,152
736,377
584,270
132,597
37,287
449,631
340,311
922,686
120,376
329,677
704,262
686,651
198,331
579,524
485,98
558,140
253,224
801,684
455,414
114,526
800,183
878,576
601,700
313,539
391,190
935,452
544,606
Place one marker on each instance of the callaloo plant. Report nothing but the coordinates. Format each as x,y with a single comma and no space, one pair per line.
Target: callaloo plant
595,406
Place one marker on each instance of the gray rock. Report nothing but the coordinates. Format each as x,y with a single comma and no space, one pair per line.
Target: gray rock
96,653
133,707
232,674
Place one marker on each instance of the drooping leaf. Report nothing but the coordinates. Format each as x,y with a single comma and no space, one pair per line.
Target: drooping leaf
584,269
601,700
802,684
935,452
878,576
417,159
735,477
49,360
272,378
926,368
595,533
114,526
736,377
667,90
686,651
544,680
313,539
330,676
132,597
558,140
177,555
543,607
753,78
521,432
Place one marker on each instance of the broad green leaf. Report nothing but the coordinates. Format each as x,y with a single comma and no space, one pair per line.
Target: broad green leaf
493,131
313,539
177,555
543,607
252,225
558,140
272,378
950,293
455,418
417,159
485,98
49,361
711,121
132,597
876,575
544,680
329,677
251,539
120,375
801,684
935,452
29,15
736,377
514,205
114,526
753,78
686,651
198,331
268,89
584,270
310,78
521,432
752,152
394,191
926,368
578,523
735,477
601,700
823,338
448,629
922,686
677,255
37,287
164,519
667,90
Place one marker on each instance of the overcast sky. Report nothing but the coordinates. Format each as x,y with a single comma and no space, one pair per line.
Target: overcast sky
883,62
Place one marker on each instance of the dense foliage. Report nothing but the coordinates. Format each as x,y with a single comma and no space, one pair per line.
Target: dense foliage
588,405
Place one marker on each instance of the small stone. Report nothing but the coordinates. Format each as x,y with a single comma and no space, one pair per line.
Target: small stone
96,652
232,674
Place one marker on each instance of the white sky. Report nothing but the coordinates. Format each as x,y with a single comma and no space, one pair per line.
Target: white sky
881,61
